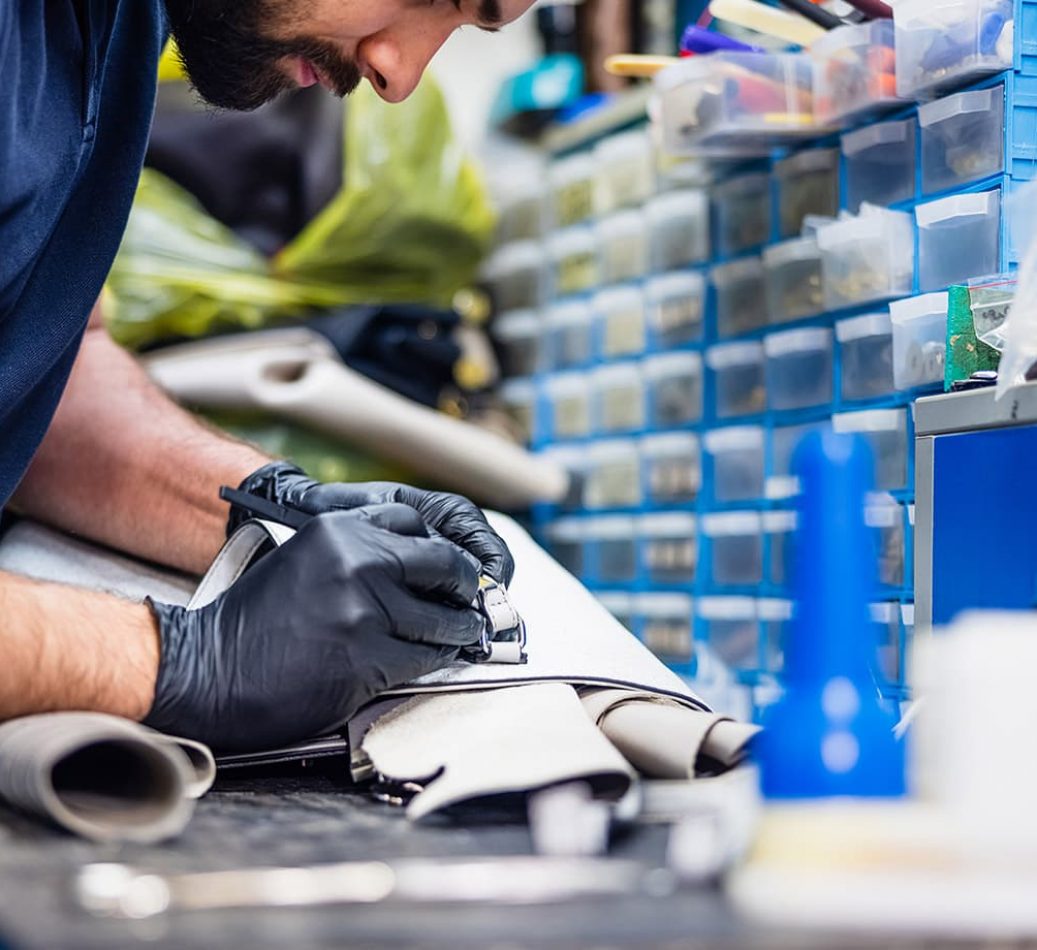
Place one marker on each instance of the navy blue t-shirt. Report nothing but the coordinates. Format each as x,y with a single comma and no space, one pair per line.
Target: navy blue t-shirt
77,92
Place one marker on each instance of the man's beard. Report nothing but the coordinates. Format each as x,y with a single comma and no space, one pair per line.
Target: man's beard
232,64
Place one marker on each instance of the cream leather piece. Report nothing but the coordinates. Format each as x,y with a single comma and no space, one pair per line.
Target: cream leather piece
296,375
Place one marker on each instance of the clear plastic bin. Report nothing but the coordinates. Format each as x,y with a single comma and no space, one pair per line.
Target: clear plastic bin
799,368
613,475
568,397
575,261
775,616
856,72
678,229
738,375
738,462
519,337
907,620
672,467
943,43
674,382
571,189
570,331
620,312
793,280
669,547
625,170
781,482
742,213
886,430
729,625
573,459
867,257
520,203
666,626
566,538
780,530
889,661
741,296
736,547
958,237
880,163
519,399
675,303
613,541
735,103
866,356
885,515
516,276
808,184
919,340
623,242
620,605
963,138
619,397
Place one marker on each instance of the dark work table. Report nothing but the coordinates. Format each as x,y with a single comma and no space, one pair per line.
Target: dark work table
314,819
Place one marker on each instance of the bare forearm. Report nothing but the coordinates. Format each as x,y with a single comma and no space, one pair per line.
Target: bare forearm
63,648
121,464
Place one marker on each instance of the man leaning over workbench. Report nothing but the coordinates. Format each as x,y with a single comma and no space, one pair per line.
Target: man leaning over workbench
362,598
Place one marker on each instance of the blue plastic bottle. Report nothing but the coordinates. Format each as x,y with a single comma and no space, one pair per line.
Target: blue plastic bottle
829,735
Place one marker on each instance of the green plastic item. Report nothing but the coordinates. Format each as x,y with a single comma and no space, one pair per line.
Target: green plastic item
966,354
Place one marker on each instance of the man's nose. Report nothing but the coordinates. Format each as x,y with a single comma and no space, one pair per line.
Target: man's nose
394,61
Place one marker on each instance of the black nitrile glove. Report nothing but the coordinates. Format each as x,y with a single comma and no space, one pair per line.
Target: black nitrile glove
357,602
452,516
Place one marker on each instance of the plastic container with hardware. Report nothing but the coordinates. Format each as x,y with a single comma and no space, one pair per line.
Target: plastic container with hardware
669,547
866,356
738,377
620,314
793,280
889,661
675,304
886,431
779,527
774,615
742,213
573,459
880,163
946,43
781,483
799,368
919,340
963,138
619,398
672,468
613,477
570,332
665,626
620,605
571,188
519,337
737,455
520,203
735,547
907,622
741,296
568,405
625,170
519,399
623,244
516,276
885,515
566,538
574,260
613,549
867,257
958,237
729,625
674,383
856,72
808,184
678,229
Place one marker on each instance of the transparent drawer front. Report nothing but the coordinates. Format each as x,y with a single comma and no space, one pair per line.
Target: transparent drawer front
569,405
623,239
869,257
674,382
621,311
515,276
884,515
880,164
741,296
575,265
781,482
793,280
669,547
625,170
779,527
620,605
565,542
571,189
958,238
736,547
519,338
678,229
799,368
738,462
519,399
963,138
919,340
856,72
666,626
886,431
613,475
672,468
808,184
775,617
738,378
620,396
889,662
573,459
941,43
570,334
615,549
742,208
675,305
730,627
866,356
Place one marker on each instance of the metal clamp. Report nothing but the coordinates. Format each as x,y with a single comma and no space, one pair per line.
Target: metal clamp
503,637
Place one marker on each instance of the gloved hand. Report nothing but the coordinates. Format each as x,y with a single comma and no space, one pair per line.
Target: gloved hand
356,603
452,516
